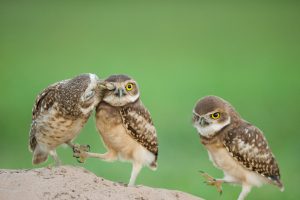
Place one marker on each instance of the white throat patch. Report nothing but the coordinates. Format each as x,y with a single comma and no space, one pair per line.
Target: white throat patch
211,129
116,101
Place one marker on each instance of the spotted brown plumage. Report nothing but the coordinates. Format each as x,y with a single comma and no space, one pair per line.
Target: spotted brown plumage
137,120
250,148
235,146
59,113
43,102
125,126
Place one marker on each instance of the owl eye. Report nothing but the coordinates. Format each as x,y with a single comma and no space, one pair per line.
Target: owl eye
196,118
129,86
215,115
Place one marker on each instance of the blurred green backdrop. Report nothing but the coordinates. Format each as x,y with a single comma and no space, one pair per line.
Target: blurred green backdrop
247,52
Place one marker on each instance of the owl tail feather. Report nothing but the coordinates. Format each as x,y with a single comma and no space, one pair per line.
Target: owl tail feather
39,156
153,165
32,142
281,186
276,181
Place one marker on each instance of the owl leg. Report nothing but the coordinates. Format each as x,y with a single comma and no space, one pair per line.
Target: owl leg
245,191
136,168
209,180
55,157
83,155
108,156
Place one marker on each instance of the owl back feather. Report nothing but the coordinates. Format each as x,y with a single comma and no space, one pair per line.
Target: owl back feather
43,102
249,147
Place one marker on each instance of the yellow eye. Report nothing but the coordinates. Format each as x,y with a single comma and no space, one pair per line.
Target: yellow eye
129,86
215,115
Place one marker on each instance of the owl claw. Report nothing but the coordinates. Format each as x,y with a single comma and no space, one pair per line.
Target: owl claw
79,148
79,152
80,156
85,148
80,159
209,180
122,184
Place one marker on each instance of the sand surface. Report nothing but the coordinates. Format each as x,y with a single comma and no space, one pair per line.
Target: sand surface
68,183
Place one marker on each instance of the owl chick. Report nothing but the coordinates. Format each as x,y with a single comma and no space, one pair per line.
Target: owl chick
234,146
125,126
60,112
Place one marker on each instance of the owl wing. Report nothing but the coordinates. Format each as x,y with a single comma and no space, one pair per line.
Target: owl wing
139,125
43,102
249,147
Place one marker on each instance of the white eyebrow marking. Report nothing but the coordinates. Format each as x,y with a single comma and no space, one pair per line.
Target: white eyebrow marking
196,113
206,113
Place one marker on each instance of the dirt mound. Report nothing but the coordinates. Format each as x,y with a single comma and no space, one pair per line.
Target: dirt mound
68,183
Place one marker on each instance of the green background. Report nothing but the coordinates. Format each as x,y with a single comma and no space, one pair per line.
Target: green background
178,51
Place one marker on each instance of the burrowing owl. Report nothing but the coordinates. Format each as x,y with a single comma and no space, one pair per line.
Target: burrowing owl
125,126
59,113
235,146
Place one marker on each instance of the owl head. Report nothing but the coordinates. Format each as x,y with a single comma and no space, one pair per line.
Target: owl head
81,93
120,90
211,114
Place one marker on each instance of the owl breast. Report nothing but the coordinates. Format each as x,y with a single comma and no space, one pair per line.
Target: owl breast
233,171
116,138
53,130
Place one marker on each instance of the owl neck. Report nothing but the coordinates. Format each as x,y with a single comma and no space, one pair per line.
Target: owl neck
217,136
134,103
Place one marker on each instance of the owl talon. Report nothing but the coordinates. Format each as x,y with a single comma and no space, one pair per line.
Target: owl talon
81,148
81,156
122,184
85,148
79,152
209,180
81,160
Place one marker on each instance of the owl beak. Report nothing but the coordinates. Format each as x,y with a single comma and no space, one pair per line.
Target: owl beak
119,92
203,122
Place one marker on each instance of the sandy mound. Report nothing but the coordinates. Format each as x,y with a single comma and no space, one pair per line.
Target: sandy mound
67,182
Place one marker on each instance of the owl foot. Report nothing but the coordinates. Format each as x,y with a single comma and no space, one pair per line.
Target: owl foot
50,166
80,152
86,148
209,180
53,165
121,184
128,185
